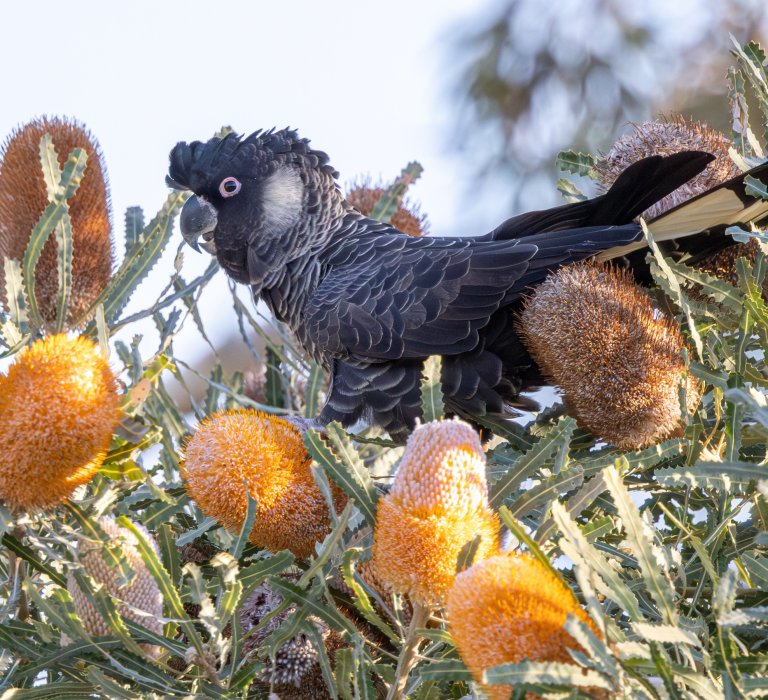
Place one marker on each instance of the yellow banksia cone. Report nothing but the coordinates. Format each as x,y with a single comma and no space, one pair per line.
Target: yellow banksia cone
507,609
58,408
364,195
618,360
438,503
232,449
23,198
140,599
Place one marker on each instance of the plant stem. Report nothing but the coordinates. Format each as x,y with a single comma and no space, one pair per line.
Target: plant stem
408,654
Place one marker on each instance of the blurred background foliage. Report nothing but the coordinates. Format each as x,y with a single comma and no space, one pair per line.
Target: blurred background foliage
535,78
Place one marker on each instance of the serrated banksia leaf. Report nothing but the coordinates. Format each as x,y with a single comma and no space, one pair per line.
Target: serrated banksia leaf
509,608
238,448
438,503
617,359
139,599
59,405
23,198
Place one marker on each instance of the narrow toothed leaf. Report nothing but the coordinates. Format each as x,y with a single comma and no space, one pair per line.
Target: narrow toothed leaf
432,404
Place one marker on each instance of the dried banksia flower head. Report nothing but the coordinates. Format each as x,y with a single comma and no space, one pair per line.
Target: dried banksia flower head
664,137
364,195
295,673
23,198
507,609
232,449
139,599
438,503
618,360
58,408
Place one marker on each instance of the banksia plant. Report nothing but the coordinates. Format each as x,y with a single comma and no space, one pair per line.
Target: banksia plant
58,408
509,608
23,197
139,599
438,503
364,195
617,359
238,448
664,137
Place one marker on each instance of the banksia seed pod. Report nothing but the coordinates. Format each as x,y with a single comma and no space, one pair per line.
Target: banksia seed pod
232,449
507,609
140,599
364,195
664,137
23,198
295,673
437,504
618,361
58,408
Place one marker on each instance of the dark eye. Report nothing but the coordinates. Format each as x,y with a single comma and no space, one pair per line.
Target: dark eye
229,187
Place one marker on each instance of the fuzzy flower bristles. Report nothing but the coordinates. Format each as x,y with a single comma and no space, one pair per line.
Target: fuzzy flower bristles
235,448
22,201
59,406
618,360
664,137
140,599
364,195
506,609
437,504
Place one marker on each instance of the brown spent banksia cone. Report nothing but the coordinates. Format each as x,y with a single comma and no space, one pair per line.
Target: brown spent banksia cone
438,503
140,599
364,195
510,608
23,198
664,137
671,135
618,360
235,448
59,405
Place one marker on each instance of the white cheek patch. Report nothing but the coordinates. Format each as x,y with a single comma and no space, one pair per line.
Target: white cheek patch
283,199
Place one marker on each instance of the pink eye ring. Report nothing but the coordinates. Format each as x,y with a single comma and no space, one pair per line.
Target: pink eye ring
229,187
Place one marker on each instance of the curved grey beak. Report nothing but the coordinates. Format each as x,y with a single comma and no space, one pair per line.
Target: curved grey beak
198,222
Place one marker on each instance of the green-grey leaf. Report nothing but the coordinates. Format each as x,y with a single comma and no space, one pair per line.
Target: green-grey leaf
643,546
577,163
527,464
432,404
344,465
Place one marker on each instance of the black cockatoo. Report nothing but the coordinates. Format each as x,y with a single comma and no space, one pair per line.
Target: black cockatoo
370,303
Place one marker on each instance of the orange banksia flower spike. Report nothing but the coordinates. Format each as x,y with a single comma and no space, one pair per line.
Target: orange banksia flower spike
59,405
364,195
510,608
23,198
437,504
232,449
